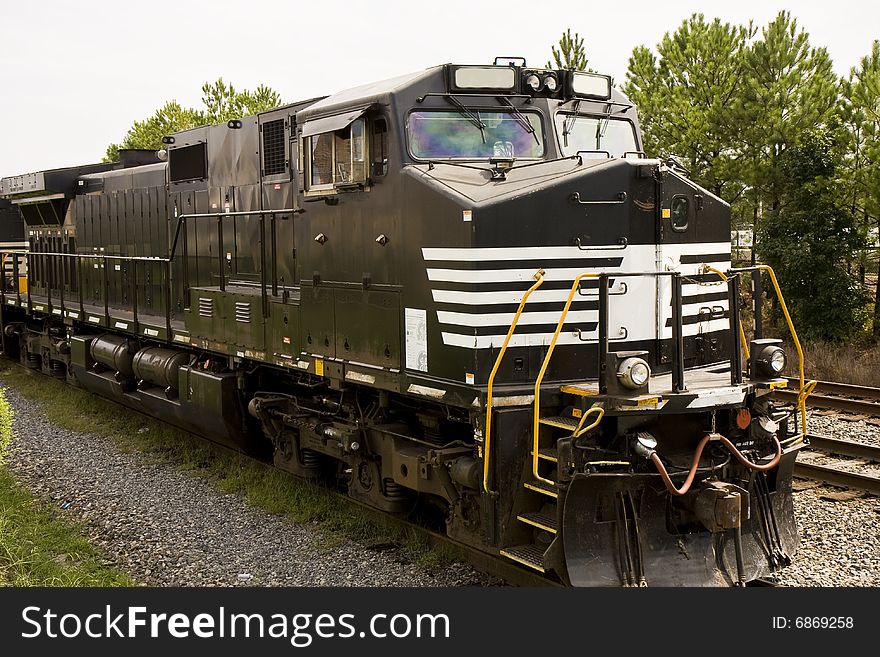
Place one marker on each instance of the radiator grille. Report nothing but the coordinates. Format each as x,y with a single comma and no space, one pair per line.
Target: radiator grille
243,312
206,307
273,147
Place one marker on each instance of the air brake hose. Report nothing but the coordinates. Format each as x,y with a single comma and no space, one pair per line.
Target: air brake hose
664,475
753,466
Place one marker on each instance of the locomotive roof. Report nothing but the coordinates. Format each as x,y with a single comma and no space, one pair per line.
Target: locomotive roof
381,92
363,96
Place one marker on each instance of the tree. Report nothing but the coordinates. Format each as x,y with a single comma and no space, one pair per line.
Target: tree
170,118
861,93
685,96
811,238
571,54
788,89
221,103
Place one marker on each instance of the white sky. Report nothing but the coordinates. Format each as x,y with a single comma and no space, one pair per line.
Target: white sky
75,75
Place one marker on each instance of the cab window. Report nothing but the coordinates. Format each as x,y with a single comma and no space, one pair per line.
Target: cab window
337,159
578,132
479,135
679,214
379,148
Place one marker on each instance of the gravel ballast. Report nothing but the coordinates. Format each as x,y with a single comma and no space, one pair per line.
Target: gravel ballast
840,538
166,527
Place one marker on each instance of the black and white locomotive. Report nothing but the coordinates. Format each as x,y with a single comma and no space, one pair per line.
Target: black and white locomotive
464,294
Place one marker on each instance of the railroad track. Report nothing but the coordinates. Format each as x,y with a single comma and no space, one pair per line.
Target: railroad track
837,476
863,400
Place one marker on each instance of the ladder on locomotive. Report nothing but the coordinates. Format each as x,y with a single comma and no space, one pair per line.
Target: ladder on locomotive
539,501
542,512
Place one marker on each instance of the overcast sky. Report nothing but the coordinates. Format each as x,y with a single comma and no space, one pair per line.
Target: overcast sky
76,74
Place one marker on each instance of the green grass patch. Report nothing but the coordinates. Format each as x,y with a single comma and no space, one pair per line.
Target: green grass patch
37,549
261,485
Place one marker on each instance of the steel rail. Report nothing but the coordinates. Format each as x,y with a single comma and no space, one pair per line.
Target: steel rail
835,477
835,403
844,447
845,389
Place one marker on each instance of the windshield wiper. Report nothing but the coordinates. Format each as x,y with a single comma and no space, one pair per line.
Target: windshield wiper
470,115
602,126
568,122
517,115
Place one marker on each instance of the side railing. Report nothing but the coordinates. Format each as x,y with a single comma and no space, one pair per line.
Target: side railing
56,296
64,304
677,358
736,332
805,388
265,284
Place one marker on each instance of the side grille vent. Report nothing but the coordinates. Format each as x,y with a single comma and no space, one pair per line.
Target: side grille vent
243,312
273,147
206,307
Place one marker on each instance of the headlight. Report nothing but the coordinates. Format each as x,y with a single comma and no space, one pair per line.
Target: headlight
550,82
634,373
533,81
777,361
771,360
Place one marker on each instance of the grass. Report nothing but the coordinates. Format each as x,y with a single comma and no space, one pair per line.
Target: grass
844,363
262,486
37,549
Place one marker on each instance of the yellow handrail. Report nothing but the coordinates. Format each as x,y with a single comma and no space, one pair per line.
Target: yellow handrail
537,418
804,391
581,431
487,438
742,333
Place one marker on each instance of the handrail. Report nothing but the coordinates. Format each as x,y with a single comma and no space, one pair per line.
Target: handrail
99,256
536,420
742,332
581,430
78,257
487,438
536,424
804,391
168,261
219,216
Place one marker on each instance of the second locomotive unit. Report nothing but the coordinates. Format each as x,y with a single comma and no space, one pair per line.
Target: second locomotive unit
463,294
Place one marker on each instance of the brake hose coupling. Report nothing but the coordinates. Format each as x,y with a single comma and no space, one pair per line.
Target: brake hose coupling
644,444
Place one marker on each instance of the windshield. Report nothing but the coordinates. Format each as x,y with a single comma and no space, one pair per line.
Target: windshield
435,135
593,133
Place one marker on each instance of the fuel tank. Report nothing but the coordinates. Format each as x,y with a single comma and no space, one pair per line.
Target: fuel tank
159,366
114,352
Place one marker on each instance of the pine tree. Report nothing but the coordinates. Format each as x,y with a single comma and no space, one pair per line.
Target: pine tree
861,93
571,54
684,98
221,103
811,238
788,88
